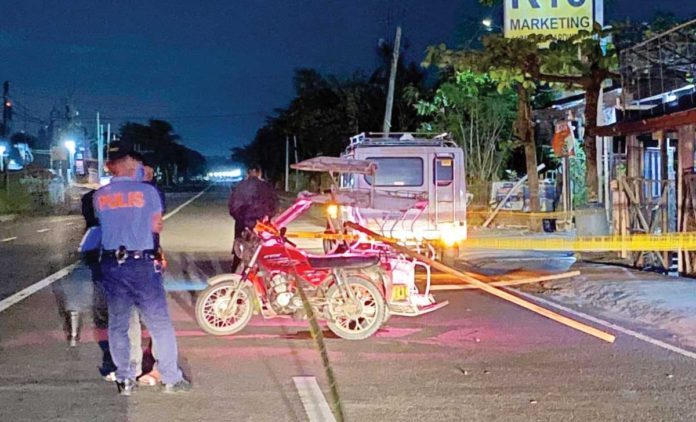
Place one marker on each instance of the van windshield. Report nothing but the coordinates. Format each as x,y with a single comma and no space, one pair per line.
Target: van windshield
397,171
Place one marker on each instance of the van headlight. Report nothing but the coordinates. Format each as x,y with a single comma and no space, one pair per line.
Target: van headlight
332,211
452,235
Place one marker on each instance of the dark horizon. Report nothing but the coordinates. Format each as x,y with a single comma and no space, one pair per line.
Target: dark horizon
215,73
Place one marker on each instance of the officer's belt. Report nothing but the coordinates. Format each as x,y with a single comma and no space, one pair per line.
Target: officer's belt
147,254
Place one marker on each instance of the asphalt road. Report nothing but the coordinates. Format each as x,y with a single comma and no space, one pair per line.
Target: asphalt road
32,248
478,359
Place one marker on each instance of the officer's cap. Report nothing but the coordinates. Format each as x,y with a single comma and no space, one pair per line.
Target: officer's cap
118,150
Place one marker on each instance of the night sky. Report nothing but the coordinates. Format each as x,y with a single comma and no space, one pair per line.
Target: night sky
213,68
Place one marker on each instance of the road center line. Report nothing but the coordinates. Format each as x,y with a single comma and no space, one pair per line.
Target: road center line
9,239
313,401
25,293
180,207
635,334
28,291
42,230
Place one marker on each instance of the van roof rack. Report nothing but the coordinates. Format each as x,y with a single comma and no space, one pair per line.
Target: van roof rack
401,138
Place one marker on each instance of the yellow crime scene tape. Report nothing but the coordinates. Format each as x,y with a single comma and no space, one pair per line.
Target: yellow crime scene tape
633,243
320,235
525,214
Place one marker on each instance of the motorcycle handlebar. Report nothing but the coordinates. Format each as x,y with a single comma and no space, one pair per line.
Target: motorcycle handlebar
285,239
263,227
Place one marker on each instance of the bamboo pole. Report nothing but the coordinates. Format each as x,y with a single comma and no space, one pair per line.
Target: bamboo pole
514,189
508,283
635,203
505,282
487,288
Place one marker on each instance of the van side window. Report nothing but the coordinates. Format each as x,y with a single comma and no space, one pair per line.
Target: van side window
397,171
347,181
444,171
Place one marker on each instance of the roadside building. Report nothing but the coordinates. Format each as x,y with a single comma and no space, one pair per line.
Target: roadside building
655,129
645,142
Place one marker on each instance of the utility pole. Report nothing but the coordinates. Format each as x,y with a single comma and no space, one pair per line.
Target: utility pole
287,163
386,127
297,178
100,150
6,109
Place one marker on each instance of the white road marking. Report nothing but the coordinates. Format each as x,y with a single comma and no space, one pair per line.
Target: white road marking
28,291
313,401
9,239
43,230
180,207
635,334
25,293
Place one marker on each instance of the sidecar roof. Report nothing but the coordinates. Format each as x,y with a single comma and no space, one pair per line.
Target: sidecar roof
337,165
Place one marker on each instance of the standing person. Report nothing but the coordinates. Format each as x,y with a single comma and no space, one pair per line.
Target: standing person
130,212
99,307
251,200
145,174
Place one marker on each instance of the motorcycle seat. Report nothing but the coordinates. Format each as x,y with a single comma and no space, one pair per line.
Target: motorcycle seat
343,261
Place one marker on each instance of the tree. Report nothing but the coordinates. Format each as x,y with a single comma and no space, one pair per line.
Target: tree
582,61
325,111
480,119
507,63
24,138
160,144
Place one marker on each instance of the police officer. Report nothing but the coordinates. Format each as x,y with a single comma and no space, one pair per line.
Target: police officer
130,212
99,307
253,199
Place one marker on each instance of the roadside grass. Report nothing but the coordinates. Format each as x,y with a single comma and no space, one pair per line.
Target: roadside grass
15,199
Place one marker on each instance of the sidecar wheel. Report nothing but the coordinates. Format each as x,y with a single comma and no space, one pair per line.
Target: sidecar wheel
212,303
360,320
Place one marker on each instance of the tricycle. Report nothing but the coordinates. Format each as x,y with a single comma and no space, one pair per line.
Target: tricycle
354,288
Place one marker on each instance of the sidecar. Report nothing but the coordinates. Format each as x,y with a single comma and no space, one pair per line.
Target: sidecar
402,295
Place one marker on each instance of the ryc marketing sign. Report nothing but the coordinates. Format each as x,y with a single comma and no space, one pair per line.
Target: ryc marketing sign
559,18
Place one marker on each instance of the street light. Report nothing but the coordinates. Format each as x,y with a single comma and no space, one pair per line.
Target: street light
71,147
489,25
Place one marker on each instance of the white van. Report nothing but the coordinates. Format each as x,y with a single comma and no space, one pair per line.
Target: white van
429,170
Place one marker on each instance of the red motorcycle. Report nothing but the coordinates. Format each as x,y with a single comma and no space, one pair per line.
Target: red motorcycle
345,290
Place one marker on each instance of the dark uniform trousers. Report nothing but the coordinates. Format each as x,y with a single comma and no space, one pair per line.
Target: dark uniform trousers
136,283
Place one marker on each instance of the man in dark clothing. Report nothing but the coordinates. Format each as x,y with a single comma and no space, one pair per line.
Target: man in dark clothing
99,307
253,199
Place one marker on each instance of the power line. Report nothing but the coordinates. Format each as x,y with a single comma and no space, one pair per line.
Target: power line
186,117
27,113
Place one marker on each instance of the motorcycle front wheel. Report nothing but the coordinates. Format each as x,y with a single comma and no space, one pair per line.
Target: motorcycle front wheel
355,319
215,315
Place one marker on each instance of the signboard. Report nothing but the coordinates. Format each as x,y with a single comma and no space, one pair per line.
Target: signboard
558,18
563,142
59,153
519,201
79,164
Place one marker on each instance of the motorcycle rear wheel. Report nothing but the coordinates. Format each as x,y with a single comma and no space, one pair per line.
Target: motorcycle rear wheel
363,323
212,303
